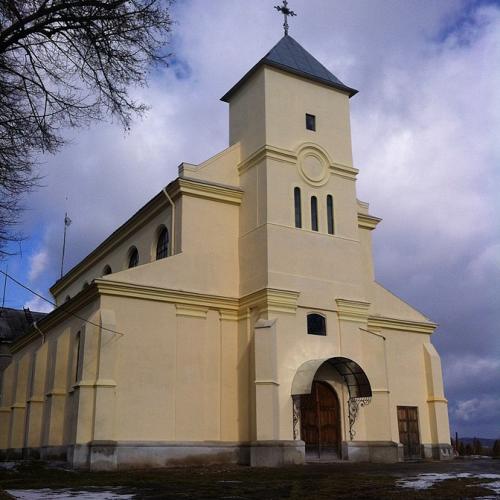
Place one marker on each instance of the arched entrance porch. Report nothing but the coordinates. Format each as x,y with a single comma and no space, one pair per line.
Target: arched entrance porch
317,412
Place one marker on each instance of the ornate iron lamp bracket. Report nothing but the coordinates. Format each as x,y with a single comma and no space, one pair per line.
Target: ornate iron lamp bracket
296,417
354,404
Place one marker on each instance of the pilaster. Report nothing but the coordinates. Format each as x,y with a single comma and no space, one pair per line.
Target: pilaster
56,396
266,381
36,398
437,403
105,386
18,415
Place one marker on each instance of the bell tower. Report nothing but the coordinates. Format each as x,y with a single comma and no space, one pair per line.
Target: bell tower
289,98
290,116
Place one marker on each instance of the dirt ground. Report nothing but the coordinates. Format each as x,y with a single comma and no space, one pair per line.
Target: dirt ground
322,481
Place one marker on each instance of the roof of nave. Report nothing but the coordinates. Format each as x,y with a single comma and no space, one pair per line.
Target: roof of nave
14,323
288,55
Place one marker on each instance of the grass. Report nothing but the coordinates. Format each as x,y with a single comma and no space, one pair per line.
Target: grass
319,481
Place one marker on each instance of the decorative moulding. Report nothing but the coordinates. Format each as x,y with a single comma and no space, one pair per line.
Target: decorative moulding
437,400
313,165
352,310
271,300
191,311
205,190
368,221
267,152
385,323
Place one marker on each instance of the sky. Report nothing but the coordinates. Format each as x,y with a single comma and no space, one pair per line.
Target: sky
426,140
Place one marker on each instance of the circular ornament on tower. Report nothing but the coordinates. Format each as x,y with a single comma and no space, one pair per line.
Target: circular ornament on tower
313,166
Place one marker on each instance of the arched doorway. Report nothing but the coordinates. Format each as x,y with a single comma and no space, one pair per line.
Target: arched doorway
320,422
320,402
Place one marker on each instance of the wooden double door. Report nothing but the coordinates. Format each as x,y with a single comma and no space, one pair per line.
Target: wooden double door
320,422
409,434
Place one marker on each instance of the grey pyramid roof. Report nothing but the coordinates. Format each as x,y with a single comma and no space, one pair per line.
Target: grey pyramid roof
288,55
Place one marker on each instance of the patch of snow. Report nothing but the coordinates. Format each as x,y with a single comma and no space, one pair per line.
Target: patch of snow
494,486
425,481
49,494
8,465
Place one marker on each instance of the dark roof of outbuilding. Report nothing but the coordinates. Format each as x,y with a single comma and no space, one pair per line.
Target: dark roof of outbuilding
289,55
14,323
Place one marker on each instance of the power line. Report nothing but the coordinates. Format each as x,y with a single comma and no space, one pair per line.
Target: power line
55,305
4,287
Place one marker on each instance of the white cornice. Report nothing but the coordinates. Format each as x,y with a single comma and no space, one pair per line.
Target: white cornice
206,190
368,221
271,300
352,310
385,323
268,152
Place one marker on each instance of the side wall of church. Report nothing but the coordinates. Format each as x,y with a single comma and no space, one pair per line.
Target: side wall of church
42,386
179,373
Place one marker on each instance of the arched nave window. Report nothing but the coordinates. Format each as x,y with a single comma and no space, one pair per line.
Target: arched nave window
107,270
133,257
162,244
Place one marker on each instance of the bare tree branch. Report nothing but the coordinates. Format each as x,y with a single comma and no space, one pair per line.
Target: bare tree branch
65,63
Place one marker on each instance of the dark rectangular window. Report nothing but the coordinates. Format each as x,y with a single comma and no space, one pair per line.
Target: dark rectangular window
314,213
310,122
316,324
298,208
329,214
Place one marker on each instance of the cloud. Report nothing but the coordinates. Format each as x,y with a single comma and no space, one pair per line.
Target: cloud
38,305
477,409
467,373
38,264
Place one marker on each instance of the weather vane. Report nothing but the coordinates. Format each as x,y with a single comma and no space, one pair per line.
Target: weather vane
286,12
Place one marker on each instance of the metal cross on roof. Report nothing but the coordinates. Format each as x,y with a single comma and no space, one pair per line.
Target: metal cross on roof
286,12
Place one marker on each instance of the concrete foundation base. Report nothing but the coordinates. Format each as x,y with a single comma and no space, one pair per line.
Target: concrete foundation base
437,452
113,455
53,452
372,451
276,453
11,454
121,455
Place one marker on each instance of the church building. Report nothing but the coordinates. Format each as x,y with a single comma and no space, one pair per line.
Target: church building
235,317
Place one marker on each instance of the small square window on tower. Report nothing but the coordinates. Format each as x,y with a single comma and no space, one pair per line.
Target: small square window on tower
310,122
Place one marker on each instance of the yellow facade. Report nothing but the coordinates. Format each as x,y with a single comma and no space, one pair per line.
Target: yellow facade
204,355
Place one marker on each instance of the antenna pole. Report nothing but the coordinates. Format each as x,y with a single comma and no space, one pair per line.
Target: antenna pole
67,222
4,285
